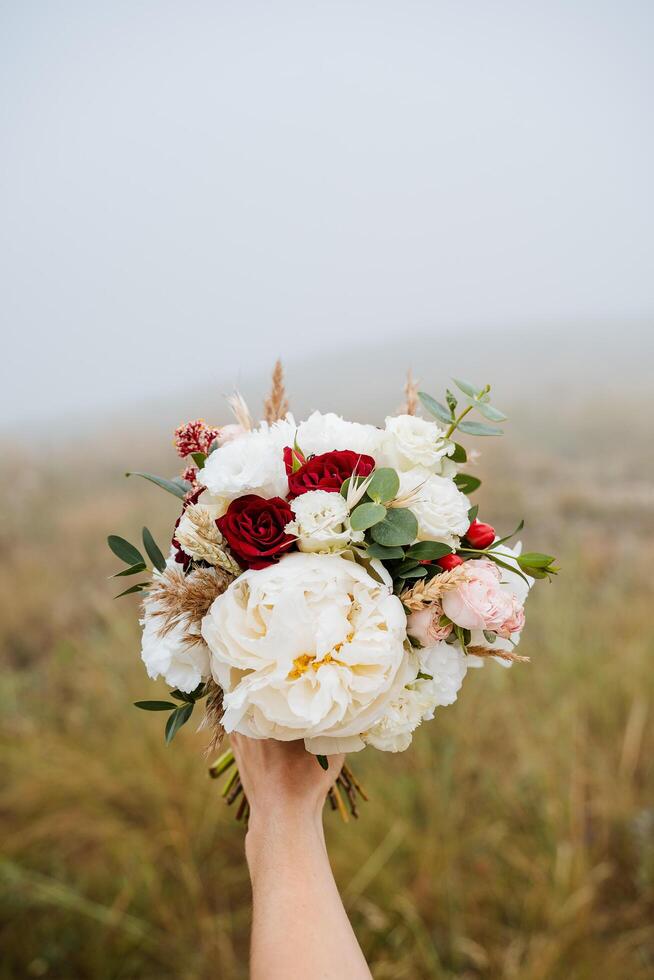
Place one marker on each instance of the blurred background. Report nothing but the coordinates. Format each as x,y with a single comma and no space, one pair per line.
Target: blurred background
190,191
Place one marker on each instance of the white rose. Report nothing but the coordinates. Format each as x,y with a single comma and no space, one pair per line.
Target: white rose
410,441
513,583
324,433
446,664
322,522
439,506
307,648
168,655
252,463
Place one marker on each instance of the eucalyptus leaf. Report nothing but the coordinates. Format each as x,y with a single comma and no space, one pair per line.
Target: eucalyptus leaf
398,528
479,429
435,408
154,554
467,388
179,717
176,486
366,515
384,485
124,550
428,550
466,483
451,400
491,413
155,705
418,572
132,570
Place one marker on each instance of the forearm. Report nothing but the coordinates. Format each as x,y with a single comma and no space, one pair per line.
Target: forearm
300,928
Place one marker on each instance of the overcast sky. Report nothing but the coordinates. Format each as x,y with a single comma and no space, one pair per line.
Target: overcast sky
190,188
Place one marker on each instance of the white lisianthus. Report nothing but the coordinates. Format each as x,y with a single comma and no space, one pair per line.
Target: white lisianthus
409,441
307,648
514,584
324,433
419,697
252,463
322,522
167,653
439,506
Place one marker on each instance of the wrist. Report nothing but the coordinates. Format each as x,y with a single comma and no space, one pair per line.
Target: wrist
282,830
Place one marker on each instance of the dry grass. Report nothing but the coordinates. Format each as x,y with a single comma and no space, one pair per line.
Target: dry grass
514,840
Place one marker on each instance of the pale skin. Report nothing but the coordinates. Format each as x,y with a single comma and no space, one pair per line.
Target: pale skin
300,930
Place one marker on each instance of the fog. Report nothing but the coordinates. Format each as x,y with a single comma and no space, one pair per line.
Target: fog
189,190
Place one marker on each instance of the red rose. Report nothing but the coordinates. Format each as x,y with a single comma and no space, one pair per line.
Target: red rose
448,562
254,529
328,471
480,535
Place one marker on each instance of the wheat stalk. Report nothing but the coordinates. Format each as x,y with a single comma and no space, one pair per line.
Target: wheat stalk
411,394
502,654
179,599
424,592
275,406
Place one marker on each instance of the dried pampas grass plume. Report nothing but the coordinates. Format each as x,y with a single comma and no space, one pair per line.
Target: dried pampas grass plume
240,410
275,406
179,599
411,394
213,717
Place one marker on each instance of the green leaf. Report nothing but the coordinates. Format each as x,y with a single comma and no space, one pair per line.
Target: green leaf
322,762
375,550
176,486
405,566
451,400
132,570
428,550
179,717
366,515
134,588
490,412
459,455
489,636
384,485
472,513
124,550
467,388
507,537
398,528
418,572
155,705
190,696
535,559
466,483
199,459
503,564
154,554
435,408
479,429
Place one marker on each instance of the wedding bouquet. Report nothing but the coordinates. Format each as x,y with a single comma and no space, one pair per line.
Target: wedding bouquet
328,580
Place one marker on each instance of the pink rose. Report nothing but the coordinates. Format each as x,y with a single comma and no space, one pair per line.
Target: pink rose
424,627
481,602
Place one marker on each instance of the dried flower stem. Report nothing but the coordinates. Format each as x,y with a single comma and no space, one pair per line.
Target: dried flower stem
275,406
411,394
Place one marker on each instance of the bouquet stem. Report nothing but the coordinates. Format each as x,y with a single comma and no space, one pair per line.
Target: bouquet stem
346,785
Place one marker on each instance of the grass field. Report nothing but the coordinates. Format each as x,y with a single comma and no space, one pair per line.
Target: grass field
515,839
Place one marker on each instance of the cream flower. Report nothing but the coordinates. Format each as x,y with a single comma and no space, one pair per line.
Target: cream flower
251,463
322,522
446,664
307,648
198,536
323,433
439,507
409,441
169,655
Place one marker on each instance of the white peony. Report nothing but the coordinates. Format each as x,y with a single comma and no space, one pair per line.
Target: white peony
515,584
439,506
409,441
168,655
322,522
417,700
252,463
307,648
324,433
